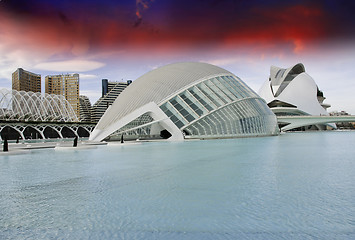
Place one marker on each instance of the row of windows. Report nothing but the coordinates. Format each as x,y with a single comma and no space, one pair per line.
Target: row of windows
205,97
60,87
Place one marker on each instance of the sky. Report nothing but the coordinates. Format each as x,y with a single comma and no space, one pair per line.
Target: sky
122,40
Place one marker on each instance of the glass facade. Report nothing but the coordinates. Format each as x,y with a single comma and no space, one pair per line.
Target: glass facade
133,128
187,100
222,106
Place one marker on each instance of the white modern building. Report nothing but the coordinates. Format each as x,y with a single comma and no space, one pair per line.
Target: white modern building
187,100
292,91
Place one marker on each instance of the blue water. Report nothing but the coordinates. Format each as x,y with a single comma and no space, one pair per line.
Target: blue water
293,186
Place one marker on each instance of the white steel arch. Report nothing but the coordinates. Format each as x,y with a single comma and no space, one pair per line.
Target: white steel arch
30,106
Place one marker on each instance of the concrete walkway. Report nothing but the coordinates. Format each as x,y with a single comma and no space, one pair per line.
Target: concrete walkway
300,121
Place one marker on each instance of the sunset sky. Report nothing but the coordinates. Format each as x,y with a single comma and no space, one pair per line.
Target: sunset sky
124,39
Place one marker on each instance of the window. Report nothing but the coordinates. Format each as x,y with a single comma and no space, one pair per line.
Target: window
199,98
183,109
194,105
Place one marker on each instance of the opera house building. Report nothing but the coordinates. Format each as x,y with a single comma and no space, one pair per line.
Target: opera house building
189,100
293,92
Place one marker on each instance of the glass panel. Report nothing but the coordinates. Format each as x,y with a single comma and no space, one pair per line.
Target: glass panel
198,108
239,87
217,92
177,119
231,87
201,98
221,85
184,109
166,111
194,130
207,127
234,126
211,95
212,124
230,120
216,123
247,88
245,117
200,129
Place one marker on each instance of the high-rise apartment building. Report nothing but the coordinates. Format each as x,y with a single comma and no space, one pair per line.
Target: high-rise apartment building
110,91
23,80
66,85
108,86
85,109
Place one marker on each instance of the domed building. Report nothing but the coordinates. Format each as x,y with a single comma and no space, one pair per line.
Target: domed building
189,100
292,91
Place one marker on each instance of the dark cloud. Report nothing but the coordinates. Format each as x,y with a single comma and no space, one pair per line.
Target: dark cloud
119,24
64,18
137,22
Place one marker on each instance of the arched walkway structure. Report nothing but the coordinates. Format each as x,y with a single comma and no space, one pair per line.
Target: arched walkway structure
293,122
36,115
76,129
30,106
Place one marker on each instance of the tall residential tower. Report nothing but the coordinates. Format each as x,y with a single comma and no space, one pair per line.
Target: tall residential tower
23,80
66,85
110,91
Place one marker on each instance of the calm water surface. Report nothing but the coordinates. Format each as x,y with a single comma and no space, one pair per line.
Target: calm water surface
294,186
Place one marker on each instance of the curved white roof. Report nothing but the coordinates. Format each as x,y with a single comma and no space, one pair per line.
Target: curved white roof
279,75
157,85
292,86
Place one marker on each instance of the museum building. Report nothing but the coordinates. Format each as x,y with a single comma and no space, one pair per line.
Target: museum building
189,100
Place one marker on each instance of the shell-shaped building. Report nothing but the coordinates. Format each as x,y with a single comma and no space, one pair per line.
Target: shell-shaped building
187,100
34,106
292,91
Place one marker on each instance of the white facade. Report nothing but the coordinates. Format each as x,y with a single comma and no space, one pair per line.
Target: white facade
189,100
292,91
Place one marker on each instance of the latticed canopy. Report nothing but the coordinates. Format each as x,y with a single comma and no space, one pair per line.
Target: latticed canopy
30,106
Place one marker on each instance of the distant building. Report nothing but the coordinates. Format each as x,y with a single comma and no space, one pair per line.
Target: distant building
66,85
336,113
104,87
85,109
110,91
23,80
343,125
